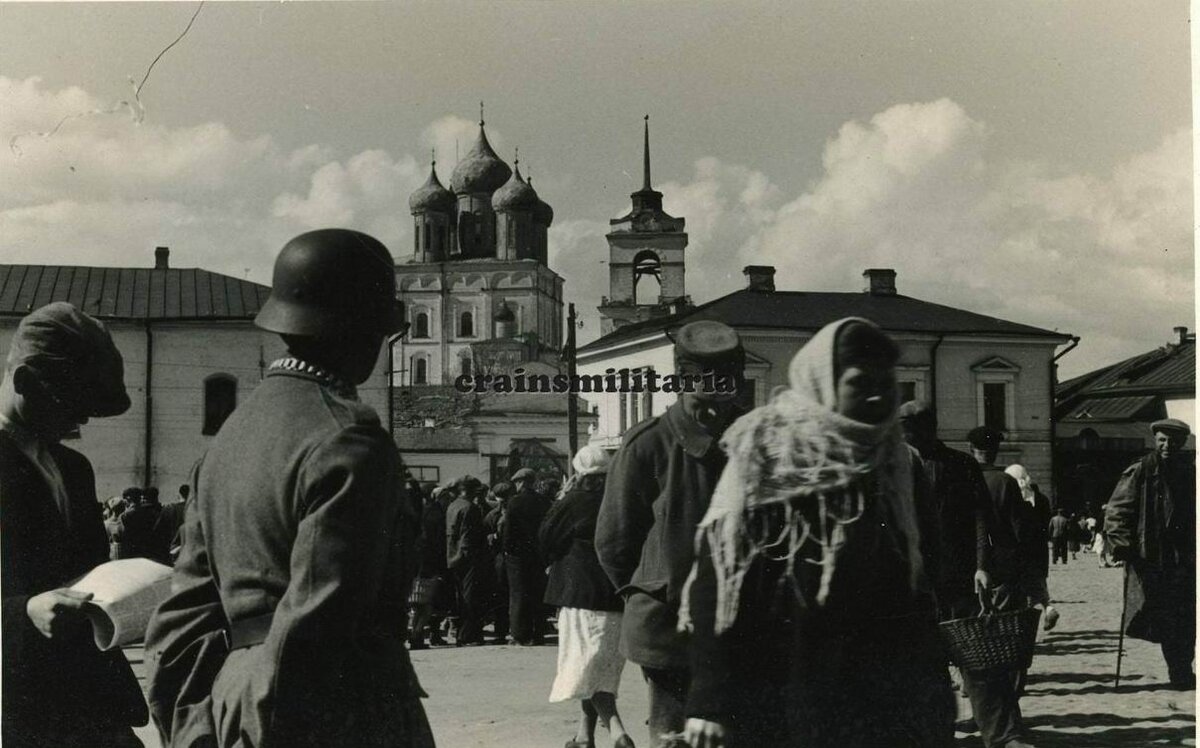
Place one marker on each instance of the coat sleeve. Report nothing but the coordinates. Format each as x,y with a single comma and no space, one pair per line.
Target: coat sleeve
711,653
349,494
1121,517
557,531
981,499
185,642
927,520
626,515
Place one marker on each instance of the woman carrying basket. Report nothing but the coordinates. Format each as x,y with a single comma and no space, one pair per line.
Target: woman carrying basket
812,621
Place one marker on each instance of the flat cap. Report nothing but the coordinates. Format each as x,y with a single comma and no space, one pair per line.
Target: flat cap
984,437
73,354
503,490
523,474
916,410
709,344
1171,427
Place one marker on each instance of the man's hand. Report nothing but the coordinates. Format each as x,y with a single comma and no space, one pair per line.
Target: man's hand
983,581
700,733
54,611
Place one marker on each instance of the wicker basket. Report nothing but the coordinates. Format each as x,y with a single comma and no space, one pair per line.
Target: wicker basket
992,641
423,590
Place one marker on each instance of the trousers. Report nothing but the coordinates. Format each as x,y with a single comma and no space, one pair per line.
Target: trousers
668,702
526,587
469,581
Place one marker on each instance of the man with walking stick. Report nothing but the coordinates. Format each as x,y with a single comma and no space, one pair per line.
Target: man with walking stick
1150,522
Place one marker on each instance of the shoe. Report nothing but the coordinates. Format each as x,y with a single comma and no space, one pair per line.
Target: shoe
417,645
624,742
1184,684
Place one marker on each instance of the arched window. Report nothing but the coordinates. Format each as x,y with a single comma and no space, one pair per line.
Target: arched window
417,237
427,233
220,398
420,371
647,265
421,326
466,325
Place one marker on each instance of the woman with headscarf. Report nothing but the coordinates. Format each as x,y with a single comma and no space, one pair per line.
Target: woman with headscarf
589,615
1033,540
809,601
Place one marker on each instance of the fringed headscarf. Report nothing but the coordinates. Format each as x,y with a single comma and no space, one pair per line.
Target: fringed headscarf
1024,480
591,459
798,454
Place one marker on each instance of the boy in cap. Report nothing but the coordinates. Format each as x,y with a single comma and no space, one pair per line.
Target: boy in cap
59,690
659,486
286,623
1151,525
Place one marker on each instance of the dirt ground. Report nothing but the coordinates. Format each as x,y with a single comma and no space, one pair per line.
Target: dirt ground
496,696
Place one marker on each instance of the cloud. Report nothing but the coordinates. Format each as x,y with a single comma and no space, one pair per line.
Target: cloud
452,136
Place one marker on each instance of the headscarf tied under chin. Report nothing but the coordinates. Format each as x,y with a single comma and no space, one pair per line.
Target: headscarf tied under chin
1024,480
799,452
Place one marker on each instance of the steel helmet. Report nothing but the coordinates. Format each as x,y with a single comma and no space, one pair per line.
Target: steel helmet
331,282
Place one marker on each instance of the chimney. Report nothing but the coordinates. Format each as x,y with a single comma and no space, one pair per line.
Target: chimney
880,281
759,277
1182,334
161,257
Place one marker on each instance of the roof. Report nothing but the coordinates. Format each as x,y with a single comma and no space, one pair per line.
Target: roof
481,170
516,194
418,439
528,403
431,195
130,293
1127,389
812,310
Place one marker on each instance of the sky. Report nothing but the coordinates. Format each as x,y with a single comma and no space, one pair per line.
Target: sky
1026,160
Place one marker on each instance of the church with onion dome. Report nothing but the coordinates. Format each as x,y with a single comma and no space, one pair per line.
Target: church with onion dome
479,298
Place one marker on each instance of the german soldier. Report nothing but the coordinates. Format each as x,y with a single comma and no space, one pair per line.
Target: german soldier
659,487
286,624
59,690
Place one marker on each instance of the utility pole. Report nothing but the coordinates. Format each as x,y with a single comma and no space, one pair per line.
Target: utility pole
572,397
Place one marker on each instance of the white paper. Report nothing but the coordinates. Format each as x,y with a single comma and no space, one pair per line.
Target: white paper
124,596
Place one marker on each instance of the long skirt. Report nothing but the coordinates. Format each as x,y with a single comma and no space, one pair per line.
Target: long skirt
589,655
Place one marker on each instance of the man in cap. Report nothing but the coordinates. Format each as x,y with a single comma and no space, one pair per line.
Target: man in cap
995,694
466,558
493,527
1151,524
59,690
525,570
659,487
286,623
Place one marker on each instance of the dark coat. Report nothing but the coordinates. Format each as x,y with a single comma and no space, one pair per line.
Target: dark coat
523,518
464,534
1150,523
64,680
659,486
433,540
1005,528
961,501
298,536
567,541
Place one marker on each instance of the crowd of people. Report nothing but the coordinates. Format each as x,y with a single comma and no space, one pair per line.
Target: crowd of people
139,525
781,576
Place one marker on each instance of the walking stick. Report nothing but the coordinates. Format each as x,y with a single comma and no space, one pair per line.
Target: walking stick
1121,625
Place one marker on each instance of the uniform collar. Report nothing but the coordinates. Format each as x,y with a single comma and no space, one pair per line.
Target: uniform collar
290,365
694,438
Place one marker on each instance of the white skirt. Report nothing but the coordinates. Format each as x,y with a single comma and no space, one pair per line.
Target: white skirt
589,654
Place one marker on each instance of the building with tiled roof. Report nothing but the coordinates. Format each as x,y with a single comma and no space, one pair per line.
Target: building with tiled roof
1103,417
191,353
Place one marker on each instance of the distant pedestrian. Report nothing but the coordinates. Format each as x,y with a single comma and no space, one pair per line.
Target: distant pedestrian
431,568
493,526
589,616
1060,530
466,557
59,690
525,569
1151,523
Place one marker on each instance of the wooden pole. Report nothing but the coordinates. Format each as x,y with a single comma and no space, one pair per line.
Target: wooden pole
1121,630
572,398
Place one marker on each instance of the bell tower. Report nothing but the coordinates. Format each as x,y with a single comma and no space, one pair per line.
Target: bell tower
645,258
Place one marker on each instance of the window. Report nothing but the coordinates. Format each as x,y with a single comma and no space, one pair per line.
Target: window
624,413
908,391
421,326
417,238
995,405
427,233
420,371
425,473
466,325
633,408
912,382
220,398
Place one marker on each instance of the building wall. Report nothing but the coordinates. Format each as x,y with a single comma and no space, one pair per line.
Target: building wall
957,384
184,355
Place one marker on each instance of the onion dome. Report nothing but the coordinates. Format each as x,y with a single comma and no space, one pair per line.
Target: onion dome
481,170
505,314
516,194
431,196
543,214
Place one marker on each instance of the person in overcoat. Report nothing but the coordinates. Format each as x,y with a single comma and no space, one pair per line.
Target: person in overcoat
58,688
286,623
466,557
1151,525
526,571
658,488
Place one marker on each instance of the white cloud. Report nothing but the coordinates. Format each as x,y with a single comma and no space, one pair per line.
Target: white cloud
452,136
